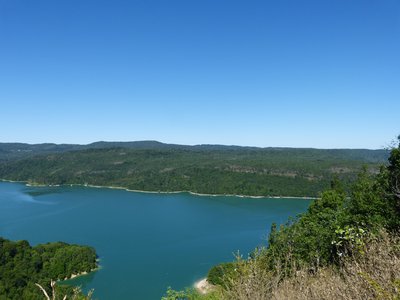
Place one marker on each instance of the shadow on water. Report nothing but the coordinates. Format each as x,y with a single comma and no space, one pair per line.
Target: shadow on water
41,191
26,197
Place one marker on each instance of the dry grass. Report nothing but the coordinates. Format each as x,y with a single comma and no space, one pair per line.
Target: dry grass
374,274
252,282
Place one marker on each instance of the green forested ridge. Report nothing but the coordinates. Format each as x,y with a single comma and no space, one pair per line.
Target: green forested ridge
21,266
210,169
343,236
10,151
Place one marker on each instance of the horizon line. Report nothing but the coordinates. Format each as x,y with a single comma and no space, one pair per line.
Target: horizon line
195,145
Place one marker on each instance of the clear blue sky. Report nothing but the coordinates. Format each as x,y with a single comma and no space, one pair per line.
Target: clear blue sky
322,74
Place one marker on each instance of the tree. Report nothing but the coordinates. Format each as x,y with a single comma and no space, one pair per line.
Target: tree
394,182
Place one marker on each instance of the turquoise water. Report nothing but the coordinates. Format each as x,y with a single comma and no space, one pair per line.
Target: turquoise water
146,242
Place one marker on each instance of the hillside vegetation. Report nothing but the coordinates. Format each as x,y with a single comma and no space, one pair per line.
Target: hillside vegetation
346,246
209,169
22,266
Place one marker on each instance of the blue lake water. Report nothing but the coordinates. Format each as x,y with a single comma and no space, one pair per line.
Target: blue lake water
146,242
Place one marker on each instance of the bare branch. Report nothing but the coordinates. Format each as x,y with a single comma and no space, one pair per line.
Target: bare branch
53,284
43,290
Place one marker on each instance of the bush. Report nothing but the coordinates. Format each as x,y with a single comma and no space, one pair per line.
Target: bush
218,273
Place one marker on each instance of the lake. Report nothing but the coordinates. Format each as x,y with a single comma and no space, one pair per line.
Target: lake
146,242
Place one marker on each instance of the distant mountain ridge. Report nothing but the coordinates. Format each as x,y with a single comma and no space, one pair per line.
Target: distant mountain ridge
22,150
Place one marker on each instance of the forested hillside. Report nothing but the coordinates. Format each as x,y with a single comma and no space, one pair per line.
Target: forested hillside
209,169
22,266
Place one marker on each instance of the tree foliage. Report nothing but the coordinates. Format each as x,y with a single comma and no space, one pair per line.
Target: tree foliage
225,170
217,273
22,266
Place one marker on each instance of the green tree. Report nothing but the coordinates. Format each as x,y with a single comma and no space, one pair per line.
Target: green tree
394,184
